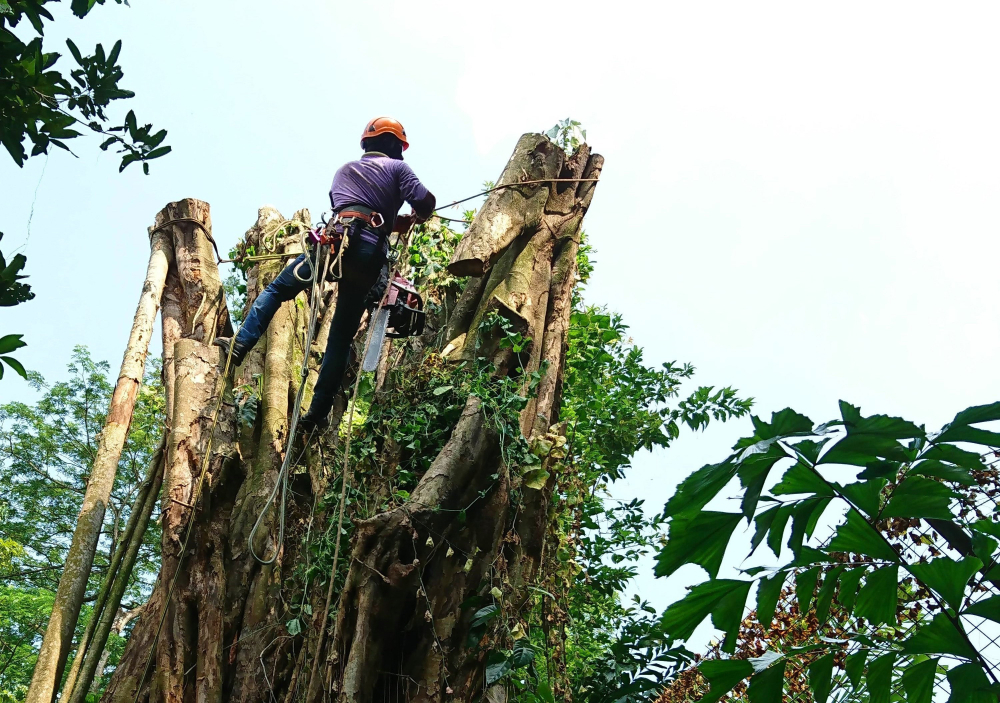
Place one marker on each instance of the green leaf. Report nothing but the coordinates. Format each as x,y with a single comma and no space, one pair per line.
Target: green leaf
940,636
988,608
11,342
880,678
497,666
987,527
865,495
723,675
947,577
965,433
753,472
983,546
699,488
805,586
939,469
848,592
16,365
809,449
163,151
826,593
864,449
954,455
700,539
877,598
768,593
784,423
762,524
441,390
978,413
766,686
820,678
880,469
892,427
484,615
808,556
777,531
854,667
802,479
805,517
918,681
535,478
522,654
918,497
969,685
855,535
294,627
545,693
723,598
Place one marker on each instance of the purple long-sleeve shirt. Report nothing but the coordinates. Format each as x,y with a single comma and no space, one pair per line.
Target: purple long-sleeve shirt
378,182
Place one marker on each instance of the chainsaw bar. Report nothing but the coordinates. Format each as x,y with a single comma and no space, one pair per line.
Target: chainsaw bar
374,351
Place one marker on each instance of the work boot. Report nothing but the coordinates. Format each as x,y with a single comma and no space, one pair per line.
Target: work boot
225,343
309,424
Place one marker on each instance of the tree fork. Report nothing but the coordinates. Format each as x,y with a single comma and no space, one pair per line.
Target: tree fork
80,557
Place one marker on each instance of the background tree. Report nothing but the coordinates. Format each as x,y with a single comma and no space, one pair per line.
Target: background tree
46,107
46,450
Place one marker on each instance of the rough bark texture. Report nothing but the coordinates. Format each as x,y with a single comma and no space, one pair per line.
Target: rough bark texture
237,630
80,557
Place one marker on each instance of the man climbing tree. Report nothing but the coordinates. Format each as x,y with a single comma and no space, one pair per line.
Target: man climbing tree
366,197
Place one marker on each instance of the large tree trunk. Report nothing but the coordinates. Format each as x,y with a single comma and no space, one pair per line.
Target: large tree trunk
398,624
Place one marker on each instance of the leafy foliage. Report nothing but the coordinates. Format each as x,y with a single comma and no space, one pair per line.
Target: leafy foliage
12,292
889,600
614,405
568,134
47,107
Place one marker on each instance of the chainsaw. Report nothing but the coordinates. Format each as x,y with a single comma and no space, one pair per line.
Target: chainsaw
400,315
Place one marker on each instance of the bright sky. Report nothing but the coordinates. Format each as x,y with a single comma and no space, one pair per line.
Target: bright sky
798,198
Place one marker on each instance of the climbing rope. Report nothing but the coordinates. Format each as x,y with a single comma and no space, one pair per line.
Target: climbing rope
515,185
318,274
268,240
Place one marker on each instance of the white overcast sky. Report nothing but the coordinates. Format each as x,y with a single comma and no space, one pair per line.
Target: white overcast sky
799,198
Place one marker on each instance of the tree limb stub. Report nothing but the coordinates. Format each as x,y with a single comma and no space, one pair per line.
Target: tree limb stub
509,212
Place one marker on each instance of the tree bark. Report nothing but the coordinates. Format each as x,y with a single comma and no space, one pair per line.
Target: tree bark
241,631
80,557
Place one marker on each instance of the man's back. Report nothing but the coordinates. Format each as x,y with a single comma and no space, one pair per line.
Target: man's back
378,182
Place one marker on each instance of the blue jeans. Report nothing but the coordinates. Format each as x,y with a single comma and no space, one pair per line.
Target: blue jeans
362,262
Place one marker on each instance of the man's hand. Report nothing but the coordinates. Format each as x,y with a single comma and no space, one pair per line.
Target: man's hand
404,222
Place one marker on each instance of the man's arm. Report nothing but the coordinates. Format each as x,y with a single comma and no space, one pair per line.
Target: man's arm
422,210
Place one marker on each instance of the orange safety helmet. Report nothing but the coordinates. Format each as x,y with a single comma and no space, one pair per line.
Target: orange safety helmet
383,125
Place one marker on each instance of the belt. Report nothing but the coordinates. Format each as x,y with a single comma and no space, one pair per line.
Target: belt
372,218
